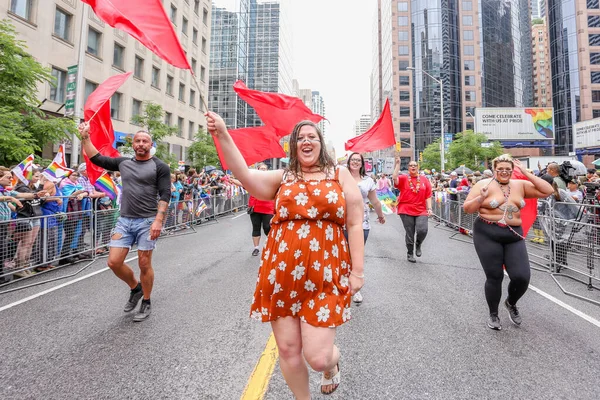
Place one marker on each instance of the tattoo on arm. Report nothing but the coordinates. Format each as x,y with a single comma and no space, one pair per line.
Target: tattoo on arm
162,210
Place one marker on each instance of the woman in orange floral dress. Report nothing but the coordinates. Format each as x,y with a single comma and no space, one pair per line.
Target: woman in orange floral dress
308,272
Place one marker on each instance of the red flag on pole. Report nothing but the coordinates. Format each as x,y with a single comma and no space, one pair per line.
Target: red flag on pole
256,144
147,21
97,112
278,111
380,136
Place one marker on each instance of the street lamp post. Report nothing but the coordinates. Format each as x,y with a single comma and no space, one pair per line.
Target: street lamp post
474,121
442,135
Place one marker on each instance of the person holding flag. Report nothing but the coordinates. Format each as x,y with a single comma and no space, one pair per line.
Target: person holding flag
145,179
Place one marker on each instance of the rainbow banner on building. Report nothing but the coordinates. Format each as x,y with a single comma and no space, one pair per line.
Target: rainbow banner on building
106,185
24,171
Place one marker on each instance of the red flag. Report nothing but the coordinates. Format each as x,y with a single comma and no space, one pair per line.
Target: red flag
380,136
529,212
97,112
256,144
277,111
147,21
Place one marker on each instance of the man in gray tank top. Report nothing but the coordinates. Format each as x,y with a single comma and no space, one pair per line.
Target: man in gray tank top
146,182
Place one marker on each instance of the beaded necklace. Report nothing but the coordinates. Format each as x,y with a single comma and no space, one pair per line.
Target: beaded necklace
412,187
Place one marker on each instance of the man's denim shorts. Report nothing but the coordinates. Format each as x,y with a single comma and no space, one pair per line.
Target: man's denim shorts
133,230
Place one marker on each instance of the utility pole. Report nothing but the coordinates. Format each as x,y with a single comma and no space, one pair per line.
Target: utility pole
80,84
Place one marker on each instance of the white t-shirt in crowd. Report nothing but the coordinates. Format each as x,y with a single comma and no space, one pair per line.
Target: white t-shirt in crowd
366,185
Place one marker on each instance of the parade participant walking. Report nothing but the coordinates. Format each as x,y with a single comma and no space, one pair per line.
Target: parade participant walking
261,212
368,190
144,201
498,235
414,206
305,278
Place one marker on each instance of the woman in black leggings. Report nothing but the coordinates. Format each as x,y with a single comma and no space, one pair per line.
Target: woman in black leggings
498,235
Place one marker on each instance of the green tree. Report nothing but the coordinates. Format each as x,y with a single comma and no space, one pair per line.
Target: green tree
466,150
431,156
152,119
24,127
203,152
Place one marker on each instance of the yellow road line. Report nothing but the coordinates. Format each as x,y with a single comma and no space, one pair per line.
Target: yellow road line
259,379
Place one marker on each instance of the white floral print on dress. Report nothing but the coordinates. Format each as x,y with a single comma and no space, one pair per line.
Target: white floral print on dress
327,274
313,212
293,294
314,245
340,212
323,314
347,314
277,288
329,233
287,192
283,212
298,272
296,307
283,246
335,251
297,254
310,286
280,303
271,277
317,192
301,199
303,231
332,197
311,304
316,265
282,266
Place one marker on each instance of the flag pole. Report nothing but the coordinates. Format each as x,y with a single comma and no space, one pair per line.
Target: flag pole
199,90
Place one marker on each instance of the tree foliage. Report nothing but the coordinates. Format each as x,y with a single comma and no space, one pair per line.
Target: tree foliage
466,150
203,151
432,156
24,127
152,120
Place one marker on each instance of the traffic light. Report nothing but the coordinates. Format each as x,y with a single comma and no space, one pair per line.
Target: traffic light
421,156
286,146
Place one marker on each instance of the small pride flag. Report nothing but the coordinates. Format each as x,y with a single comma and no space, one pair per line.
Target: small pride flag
24,171
106,184
58,169
201,207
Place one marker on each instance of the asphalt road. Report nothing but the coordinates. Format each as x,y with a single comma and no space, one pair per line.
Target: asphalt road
420,333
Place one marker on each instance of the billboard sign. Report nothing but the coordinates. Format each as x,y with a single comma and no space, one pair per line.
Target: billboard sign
586,134
447,141
515,123
71,91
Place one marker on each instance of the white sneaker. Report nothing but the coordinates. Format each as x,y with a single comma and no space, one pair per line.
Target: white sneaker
357,298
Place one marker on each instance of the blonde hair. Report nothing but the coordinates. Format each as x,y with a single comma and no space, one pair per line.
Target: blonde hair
503,158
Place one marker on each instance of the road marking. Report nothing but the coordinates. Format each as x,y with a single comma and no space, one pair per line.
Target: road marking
26,299
237,216
259,379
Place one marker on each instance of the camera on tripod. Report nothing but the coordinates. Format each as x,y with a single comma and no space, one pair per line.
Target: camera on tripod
592,190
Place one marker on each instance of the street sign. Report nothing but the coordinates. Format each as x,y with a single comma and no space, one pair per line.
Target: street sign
486,145
71,91
447,141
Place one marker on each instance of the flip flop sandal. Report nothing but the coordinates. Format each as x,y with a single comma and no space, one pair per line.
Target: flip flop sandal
335,380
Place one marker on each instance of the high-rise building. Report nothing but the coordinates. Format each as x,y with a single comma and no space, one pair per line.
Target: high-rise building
362,124
574,33
53,31
318,107
542,82
469,53
538,9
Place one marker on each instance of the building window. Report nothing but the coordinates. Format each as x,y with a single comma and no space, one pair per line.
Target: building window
405,111
403,64
184,26
203,45
173,14
594,39
469,50
202,73
467,20
179,126
168,118
136,108
89,89
402,21
469,80
594,21
62,24
404,126
197,6
22,8
469,65
470,95
138,68
169,88
467,35
191,130
94,42
592,4
115,106
402,50
595,58
192,98
404,96
205,16
470,110
402,6
404,80
118,55
155,77
467,6
402,36
595,96
595,113
595,76
58,92
181,96
195,36
194,64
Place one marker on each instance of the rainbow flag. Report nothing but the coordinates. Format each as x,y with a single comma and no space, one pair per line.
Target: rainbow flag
201,207
106,184
58,169
24,171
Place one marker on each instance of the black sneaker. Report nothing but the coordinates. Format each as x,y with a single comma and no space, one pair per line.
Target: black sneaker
145,310
411,258
418,252
513,313
255,252
134,298
494,322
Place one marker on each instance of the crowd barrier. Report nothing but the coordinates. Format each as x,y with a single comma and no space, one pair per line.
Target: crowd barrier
564,240
39,244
